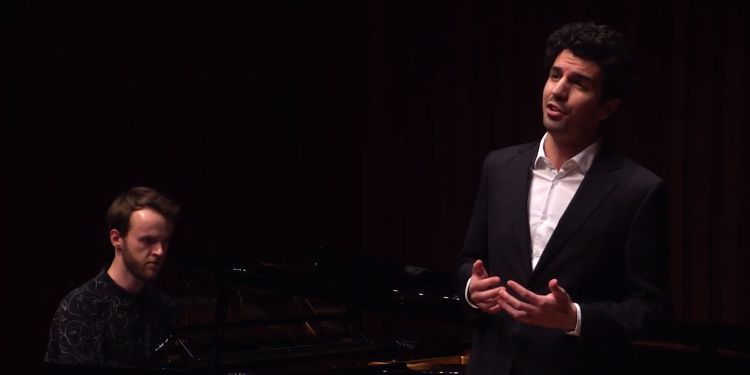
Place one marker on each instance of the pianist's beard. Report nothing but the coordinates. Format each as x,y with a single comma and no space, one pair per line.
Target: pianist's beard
146,269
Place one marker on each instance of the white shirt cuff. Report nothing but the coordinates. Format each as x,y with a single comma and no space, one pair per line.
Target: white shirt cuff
577,331
466,294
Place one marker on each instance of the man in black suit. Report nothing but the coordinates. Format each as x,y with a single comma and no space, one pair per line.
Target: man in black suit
564,261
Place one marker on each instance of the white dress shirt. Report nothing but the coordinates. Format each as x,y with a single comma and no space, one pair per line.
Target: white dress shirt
550,194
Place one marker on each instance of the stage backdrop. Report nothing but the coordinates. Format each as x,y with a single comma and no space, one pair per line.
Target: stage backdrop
357,126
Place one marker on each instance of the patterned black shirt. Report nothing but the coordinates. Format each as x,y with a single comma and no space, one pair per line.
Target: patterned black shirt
101,324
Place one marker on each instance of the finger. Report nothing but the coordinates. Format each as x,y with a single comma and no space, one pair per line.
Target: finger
515,302
489,306
478,269
495,309
485,295
484,284
557,291
528,295
510,310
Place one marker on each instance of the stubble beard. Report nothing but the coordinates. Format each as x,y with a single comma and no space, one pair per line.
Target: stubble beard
137,269
552,125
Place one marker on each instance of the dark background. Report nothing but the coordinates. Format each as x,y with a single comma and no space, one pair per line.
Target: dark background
358,126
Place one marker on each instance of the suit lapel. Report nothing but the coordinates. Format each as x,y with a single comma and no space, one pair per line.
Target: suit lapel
519,195
595,187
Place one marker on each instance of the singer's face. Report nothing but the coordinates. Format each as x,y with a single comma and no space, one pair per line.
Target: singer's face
571,99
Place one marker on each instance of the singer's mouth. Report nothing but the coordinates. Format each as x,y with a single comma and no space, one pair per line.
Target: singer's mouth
555,108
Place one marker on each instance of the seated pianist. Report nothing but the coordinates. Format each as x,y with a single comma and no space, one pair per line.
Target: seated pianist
117,319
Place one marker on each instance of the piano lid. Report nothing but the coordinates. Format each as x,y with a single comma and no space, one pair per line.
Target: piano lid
356,280
333,312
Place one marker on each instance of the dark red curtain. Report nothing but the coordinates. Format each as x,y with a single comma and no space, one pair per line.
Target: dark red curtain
285,126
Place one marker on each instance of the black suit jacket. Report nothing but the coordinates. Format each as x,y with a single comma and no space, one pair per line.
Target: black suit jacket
608,251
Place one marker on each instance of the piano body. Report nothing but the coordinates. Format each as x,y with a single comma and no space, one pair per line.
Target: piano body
339,314
334,315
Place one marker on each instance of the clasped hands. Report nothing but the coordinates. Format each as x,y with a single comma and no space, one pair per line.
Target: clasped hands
552,310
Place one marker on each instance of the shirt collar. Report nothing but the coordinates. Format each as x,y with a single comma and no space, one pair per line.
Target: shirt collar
583,159
112,287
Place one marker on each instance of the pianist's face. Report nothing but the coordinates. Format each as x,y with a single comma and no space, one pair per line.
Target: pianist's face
144,249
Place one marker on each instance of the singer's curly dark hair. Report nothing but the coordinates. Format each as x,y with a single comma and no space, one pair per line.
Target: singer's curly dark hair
601,44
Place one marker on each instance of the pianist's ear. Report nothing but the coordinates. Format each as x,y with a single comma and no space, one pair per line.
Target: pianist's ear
115,239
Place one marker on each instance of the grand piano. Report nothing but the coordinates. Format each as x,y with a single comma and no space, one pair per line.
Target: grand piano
338,314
